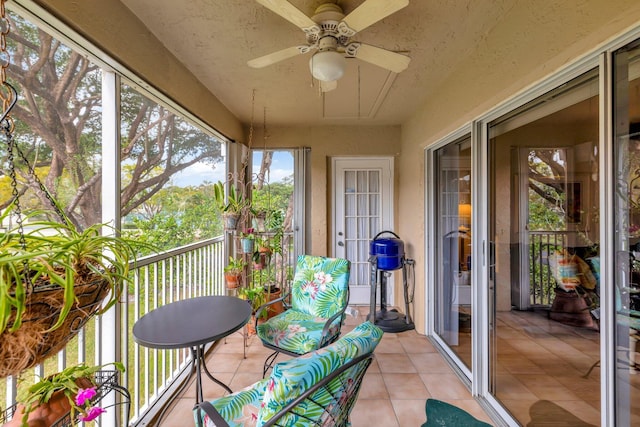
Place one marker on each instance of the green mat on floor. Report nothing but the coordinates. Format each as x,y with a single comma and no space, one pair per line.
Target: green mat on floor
443,414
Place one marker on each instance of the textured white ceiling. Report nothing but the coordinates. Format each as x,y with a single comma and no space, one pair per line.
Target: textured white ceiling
216,38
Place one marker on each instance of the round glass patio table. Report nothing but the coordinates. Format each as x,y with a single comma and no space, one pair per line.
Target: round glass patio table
193,323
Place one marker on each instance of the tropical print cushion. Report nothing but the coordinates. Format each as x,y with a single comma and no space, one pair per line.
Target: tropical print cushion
239,409
289,379
297,332
320,285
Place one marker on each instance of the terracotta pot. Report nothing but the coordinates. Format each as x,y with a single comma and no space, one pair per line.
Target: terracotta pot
276,308
232,280
48,413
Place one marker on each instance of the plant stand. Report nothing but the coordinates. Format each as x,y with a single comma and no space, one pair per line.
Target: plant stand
106,382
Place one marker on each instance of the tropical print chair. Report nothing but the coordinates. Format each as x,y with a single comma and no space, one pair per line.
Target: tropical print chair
317,389
319,297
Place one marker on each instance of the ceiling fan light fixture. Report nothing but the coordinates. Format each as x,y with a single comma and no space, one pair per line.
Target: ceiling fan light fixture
327,66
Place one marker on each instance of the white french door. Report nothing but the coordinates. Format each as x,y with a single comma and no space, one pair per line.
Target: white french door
363,207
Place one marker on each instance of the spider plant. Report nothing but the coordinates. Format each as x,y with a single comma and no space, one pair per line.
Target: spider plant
54,254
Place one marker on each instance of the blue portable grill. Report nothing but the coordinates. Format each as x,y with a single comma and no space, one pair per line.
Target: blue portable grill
387,254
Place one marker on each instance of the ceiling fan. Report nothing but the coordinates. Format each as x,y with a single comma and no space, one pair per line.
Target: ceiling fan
329,32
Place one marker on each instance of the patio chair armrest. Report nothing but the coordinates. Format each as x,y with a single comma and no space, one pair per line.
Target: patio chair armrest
213,414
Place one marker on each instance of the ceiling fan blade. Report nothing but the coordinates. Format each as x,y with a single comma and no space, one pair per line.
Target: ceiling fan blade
289,12
328,86
377,56
369,12
278,56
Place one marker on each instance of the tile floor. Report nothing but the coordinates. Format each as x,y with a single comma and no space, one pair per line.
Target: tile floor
406,371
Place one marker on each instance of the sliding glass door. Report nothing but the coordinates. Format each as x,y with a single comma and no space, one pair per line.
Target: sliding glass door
452,179
626,229
543,253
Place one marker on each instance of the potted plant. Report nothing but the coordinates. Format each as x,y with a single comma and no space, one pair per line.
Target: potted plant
256,296
233,272
259,217
266,281
247,239
53,278
73,391
230,206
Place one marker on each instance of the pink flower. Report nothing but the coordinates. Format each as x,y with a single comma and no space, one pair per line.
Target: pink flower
92,414
323,278
84,395
310,289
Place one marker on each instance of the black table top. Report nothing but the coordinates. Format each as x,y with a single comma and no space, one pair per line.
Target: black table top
191,322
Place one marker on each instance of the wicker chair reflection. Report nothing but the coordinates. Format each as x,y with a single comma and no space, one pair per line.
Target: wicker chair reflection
319,389
319,297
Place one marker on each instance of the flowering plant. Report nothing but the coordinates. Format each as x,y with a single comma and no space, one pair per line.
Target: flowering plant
76,383
248,233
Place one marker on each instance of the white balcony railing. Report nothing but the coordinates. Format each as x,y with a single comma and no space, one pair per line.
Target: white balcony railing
185,272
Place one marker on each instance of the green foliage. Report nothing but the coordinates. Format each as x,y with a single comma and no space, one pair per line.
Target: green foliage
176,216
271,198
61,255
235,265
234,202
256,295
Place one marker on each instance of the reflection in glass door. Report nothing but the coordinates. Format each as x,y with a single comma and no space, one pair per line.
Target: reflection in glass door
627,233
453,247
544,225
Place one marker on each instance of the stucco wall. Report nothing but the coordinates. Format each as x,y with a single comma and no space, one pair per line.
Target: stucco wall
533,40
111,26
325,143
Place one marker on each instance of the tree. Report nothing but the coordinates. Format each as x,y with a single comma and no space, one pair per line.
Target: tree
58,128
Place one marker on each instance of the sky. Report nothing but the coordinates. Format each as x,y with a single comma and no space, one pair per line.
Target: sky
281,167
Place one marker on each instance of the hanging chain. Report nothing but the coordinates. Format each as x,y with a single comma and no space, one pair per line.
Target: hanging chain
9,97
7,94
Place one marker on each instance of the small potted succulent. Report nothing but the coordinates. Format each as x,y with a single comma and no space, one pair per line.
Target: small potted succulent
71,391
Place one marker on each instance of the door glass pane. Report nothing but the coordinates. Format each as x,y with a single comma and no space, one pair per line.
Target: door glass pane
627,233
543,257
362,214
453,247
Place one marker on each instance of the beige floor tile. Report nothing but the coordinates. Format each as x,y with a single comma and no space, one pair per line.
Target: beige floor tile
445,386
373,387
373,412
405,386
180,415
410,412
242,380
395,363
416,344
430,363
389,345
224,362
210,389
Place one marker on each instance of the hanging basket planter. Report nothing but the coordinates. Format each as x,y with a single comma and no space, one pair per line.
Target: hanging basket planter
54,277
35,340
